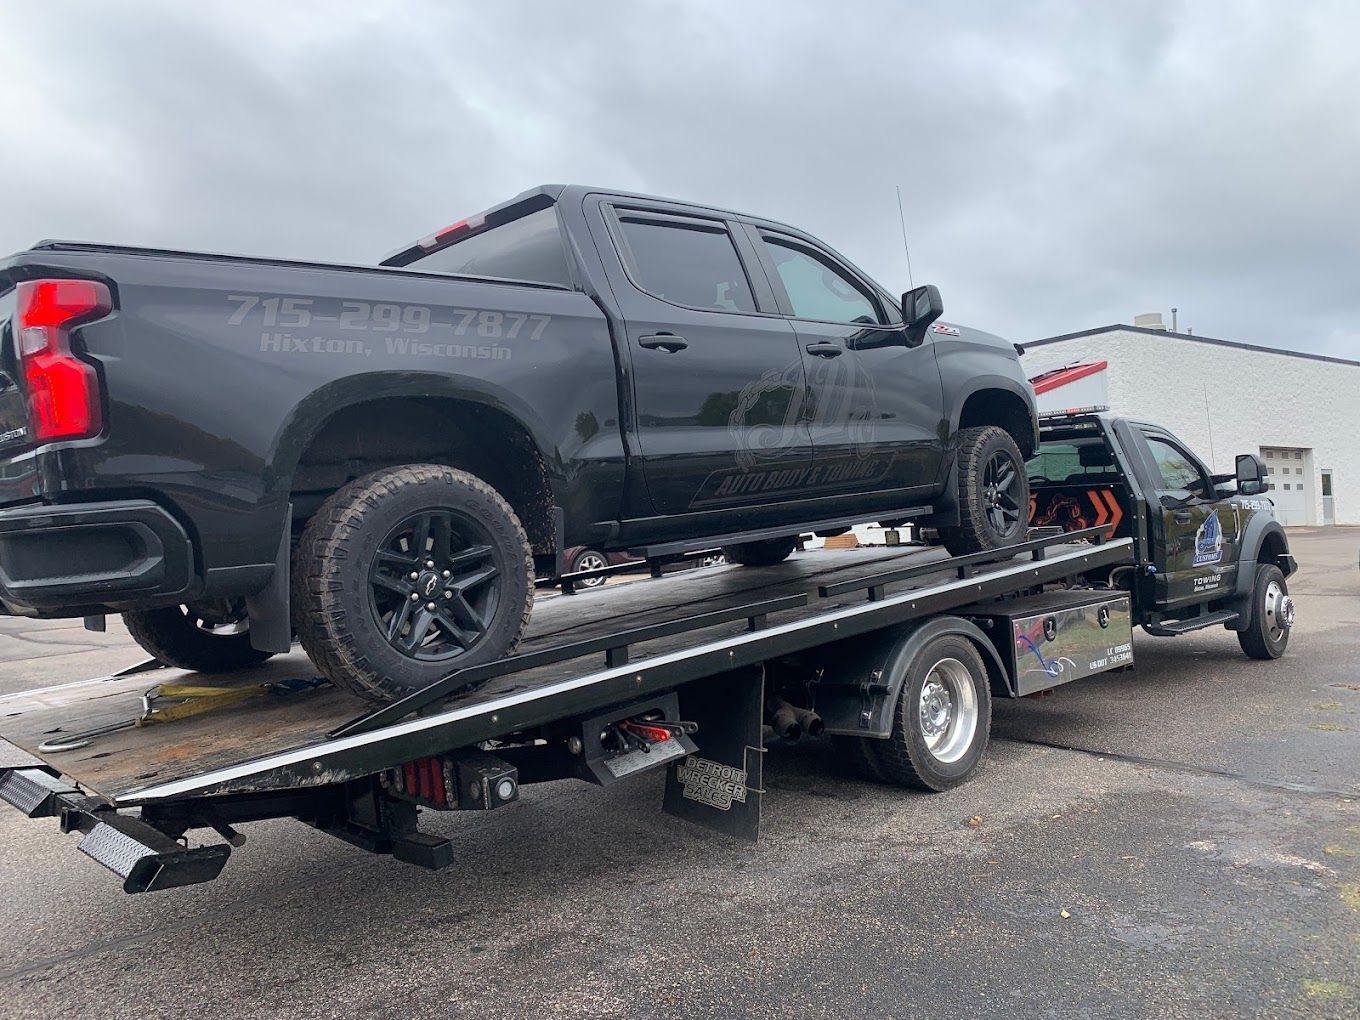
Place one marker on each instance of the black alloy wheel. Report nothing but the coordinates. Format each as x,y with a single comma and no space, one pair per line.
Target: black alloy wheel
432,585
1003,486
408,574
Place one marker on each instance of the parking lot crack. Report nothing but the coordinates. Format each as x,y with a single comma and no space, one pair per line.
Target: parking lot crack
1191,769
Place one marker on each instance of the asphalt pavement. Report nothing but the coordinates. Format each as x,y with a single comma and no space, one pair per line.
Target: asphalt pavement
1179,841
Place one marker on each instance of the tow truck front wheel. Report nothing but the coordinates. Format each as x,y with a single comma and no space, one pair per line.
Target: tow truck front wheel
408,574
1272,615
942,718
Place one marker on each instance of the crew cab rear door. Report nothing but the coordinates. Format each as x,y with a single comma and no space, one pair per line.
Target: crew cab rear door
1194,535
718,381
876,404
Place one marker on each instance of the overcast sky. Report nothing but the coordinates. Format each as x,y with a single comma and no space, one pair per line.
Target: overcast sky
1063,165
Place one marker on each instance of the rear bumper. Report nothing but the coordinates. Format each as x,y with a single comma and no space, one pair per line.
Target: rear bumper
58,560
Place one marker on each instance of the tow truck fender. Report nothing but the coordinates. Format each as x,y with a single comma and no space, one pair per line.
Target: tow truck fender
1259,527
860,681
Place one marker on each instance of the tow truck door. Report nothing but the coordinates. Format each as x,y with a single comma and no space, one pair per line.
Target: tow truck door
1194,535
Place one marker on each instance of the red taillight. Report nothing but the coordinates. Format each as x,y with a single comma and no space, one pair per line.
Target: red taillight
63,391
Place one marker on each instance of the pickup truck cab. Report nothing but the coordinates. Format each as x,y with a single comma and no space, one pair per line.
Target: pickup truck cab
1208,549
381,459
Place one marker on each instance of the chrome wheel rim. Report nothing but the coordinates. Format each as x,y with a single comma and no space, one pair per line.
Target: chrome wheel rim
1001,494
1279,611
947,710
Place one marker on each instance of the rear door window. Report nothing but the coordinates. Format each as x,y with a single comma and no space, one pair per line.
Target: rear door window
1079,461
686,262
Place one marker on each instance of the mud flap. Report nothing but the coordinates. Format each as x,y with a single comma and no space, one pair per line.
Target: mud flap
720,786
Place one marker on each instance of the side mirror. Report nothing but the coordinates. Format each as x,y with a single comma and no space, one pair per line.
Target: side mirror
1251,474
920,307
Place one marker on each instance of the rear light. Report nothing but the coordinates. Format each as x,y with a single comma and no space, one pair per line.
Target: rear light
439,238
63,391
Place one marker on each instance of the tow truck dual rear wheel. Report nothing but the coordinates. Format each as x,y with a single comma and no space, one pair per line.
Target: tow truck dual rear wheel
1272,615
408,574
941,721
211,636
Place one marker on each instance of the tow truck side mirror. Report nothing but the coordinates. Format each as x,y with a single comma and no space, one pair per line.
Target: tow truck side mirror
1251,474
920,307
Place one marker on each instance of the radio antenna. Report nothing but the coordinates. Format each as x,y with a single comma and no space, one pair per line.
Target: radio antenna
902,219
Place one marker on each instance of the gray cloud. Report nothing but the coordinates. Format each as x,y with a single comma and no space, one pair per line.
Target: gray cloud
1063,165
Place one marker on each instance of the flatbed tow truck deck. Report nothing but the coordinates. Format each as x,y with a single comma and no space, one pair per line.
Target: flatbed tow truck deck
607,684
896,653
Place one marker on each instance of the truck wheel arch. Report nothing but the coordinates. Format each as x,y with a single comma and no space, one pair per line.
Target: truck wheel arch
841,706
369,422
998,402
1263,541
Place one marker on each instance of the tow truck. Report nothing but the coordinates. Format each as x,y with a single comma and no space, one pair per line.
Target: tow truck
895,652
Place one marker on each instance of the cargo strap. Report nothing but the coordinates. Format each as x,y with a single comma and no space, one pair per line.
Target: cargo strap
189,700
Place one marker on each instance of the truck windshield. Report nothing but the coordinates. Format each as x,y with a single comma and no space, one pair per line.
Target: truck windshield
529,248
1081,460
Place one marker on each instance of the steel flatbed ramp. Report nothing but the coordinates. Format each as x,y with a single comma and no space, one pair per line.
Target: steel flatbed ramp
285,741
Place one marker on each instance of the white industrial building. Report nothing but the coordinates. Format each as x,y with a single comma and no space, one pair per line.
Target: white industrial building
1299,412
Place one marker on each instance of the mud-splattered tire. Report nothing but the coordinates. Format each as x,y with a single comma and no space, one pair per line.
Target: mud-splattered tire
993,493
761,554
942,718
211,638
1272,615
407,574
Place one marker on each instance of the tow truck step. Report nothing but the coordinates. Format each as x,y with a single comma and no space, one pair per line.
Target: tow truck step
33,791
1178,627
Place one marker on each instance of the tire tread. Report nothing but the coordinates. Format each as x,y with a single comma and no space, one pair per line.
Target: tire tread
326,541
972,534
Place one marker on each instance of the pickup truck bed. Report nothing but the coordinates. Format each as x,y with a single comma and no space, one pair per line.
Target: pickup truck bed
117,764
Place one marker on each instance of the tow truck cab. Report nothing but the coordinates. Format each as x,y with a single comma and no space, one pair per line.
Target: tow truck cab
1199,538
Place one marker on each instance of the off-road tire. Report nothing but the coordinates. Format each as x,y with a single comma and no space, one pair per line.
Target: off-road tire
332,608
975,531
172,635
905,758
765,553
1256,640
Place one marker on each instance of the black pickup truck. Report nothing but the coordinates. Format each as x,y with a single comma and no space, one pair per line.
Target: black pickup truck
230,451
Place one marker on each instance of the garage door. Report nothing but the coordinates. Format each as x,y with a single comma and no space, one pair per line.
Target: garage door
1291,482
